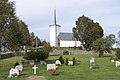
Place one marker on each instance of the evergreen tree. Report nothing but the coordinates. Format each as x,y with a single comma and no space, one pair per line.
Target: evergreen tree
7,18
13,32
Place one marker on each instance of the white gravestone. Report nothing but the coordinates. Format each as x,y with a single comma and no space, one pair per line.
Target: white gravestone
42,62
51,67
117,64
19,67
92,60
70,63
13,72
35,69
57,62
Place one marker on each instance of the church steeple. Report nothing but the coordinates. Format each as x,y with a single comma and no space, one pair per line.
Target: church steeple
55,17
54,32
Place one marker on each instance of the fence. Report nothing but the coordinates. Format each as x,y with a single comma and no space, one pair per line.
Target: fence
6,55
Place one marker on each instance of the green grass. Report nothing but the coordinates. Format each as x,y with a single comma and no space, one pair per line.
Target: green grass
107,70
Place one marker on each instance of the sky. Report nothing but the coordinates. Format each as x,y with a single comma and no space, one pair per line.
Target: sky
38,14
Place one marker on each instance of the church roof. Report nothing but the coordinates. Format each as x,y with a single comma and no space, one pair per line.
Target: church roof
66,36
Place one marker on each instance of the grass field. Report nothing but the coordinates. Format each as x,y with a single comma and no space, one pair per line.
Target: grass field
107,70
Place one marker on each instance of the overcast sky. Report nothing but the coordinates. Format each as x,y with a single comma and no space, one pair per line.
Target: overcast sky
38,14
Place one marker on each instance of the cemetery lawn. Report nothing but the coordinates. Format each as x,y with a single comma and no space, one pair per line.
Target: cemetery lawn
107,70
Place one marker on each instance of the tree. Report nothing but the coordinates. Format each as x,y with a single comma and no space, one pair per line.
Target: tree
46,46
13,36
87,31
25,36
39,53
104,44
118,40
6,15
13,32
7,19
35,40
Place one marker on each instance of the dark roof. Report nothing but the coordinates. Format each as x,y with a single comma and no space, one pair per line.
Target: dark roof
66,36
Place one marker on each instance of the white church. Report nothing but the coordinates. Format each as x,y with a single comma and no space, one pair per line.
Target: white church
59,39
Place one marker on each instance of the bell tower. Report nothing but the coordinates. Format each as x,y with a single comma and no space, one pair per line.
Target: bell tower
54,32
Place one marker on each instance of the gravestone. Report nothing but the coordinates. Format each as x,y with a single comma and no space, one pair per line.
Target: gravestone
13,72
93,64
92,60
51,67
117,64
42,62
70,63
57,62
35,69
32,62
19,67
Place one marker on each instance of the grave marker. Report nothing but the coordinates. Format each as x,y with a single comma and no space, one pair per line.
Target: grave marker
32,62
70,63
35,69
51,67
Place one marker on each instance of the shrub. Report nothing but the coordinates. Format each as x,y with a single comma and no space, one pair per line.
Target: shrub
118,53
101,53
61,60
42,55
46,46
65,52
66,62
37,55
74,47
74,61
30,55
80,48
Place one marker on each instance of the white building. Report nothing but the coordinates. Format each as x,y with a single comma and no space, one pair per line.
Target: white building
58,39
67,40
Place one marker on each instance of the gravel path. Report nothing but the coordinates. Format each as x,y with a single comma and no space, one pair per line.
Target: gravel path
36,78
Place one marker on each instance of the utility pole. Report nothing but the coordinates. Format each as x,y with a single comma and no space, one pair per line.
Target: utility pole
36,41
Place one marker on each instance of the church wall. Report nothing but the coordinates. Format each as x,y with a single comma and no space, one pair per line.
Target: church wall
52,36
54,32
69,43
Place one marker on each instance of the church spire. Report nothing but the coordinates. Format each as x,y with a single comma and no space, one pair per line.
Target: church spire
54,32
55,17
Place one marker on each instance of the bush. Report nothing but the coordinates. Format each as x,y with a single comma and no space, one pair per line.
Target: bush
42,55
74,61
37,55
66,62
30,55
80,48
101,53
118,53
65,52
61,60
46,46
74,47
